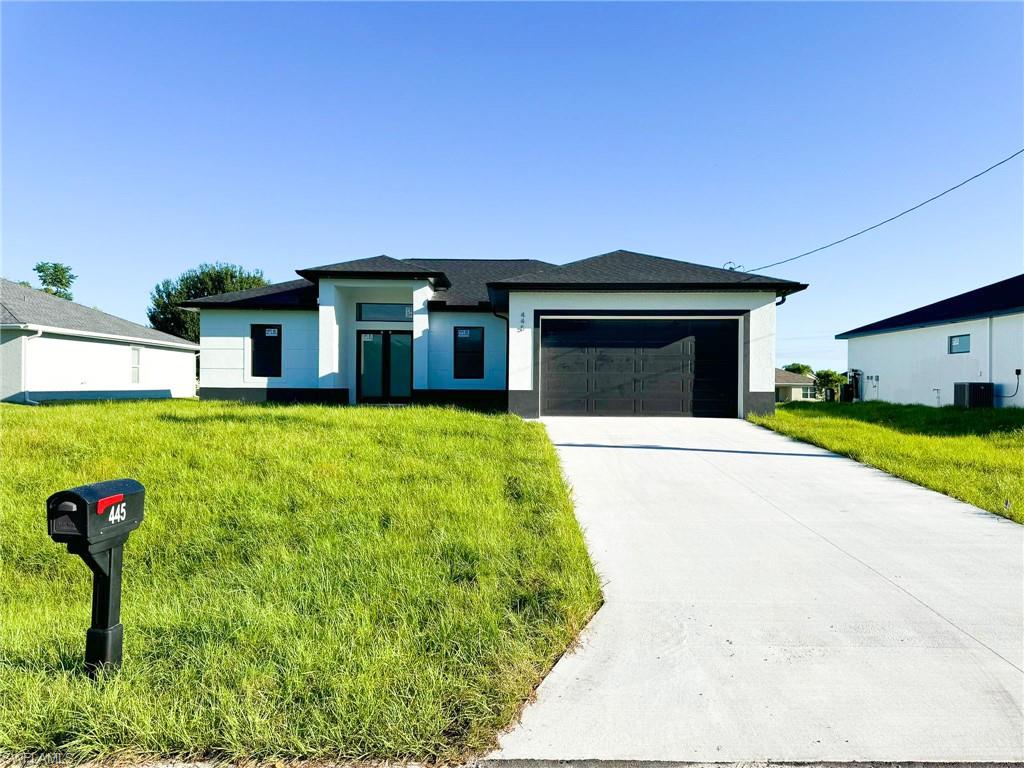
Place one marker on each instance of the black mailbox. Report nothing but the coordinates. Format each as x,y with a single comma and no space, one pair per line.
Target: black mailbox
97,514
94,522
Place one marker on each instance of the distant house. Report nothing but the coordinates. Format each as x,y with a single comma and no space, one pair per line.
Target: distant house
793,386
54,349
917,356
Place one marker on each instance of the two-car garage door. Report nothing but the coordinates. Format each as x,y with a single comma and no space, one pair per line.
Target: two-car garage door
639,367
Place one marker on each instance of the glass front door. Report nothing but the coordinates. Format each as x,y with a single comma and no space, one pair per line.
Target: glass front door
384,366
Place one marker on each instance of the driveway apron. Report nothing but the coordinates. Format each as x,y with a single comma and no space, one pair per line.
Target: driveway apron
769,600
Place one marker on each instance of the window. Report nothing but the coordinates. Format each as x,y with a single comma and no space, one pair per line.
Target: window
136,357
809,393
384,313
266,350
959,344
469,353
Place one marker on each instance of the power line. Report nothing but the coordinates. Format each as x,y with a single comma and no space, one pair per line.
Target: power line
891,218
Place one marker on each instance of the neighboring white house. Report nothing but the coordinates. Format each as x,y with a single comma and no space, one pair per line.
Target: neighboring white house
794,386
917,356
615,334
54,349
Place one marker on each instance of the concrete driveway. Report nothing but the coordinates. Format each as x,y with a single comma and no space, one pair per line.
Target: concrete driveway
768,600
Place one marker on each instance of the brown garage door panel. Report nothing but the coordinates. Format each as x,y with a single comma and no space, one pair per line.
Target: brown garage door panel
639,367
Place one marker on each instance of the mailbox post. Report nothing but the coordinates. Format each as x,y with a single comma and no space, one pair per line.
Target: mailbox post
94,522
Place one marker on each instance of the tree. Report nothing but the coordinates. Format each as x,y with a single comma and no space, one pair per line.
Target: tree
56,278
802,368
826,379
165,313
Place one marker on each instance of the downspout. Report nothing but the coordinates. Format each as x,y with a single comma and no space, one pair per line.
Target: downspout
508,345
989,376
24,349
495,313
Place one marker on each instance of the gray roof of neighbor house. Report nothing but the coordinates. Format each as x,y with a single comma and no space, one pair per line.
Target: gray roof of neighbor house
787,378
467,284
621,270
1003,298
27,306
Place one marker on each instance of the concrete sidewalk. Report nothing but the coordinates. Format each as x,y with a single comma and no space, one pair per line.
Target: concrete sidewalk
767,600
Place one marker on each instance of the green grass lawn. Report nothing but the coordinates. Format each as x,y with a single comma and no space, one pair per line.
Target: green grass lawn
976,456
309,581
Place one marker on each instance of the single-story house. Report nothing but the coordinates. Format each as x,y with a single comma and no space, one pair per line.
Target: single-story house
791,386
917,356
55,349
622,333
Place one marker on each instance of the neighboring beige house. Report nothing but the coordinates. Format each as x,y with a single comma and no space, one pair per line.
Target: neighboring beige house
793,386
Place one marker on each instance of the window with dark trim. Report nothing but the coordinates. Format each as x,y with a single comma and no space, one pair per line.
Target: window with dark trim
960,344
384,313
266,350
469,352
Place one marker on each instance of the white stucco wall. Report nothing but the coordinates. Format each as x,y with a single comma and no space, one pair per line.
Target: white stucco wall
442,348
11,384
225,358
912,364
760,304
70,367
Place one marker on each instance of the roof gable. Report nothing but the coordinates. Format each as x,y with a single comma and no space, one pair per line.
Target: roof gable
294,294
1003,297
468,278
20,305
375,266
623,269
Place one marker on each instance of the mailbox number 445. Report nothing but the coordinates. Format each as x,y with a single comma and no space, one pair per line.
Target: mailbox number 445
118,513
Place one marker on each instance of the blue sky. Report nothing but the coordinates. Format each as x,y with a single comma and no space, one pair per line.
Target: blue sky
142,139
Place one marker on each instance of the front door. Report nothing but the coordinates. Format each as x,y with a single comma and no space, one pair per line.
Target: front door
384,365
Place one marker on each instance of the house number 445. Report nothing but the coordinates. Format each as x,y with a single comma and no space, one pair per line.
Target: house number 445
118,513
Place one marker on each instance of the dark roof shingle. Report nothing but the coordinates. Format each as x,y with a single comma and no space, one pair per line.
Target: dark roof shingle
375,265
468,278
1003,297
469,283
294,294
27,306
628,268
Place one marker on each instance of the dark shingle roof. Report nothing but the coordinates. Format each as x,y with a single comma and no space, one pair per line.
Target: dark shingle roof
796,379
624,269
467,283
375,266
27,306
1004,297
468,278
294,294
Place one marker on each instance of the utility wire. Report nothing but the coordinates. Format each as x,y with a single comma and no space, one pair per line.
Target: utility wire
891,218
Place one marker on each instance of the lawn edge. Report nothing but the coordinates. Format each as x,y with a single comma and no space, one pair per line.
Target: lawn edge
752,419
